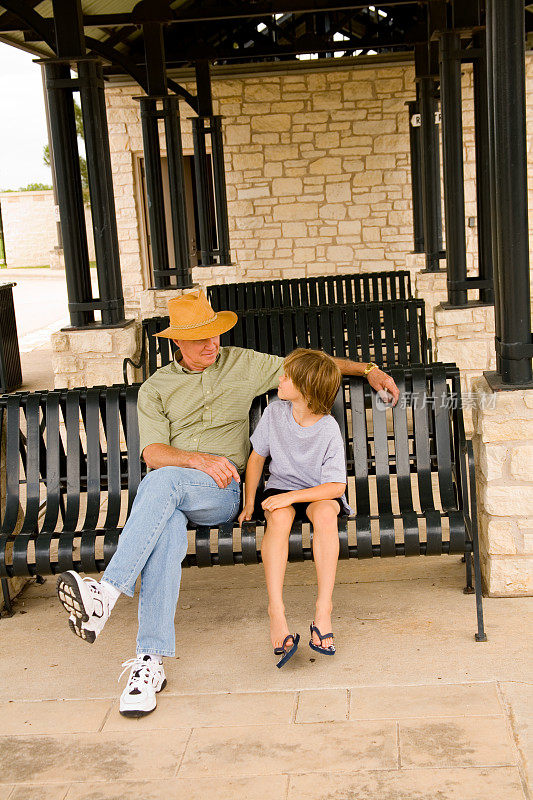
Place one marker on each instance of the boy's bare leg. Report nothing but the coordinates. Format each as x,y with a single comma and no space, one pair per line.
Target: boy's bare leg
275,551
323,514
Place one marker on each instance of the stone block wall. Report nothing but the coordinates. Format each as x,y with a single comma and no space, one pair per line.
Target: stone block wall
93,357
30,230
503,449
317,171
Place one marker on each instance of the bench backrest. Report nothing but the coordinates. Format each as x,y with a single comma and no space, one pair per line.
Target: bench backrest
390,332
322,290
77,453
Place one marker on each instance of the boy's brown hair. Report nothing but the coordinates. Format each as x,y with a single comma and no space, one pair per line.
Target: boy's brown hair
316,376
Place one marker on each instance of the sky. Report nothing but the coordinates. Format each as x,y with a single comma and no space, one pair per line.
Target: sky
22,120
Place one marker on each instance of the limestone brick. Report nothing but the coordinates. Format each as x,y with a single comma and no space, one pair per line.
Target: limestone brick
510,576
463,353
325,166
296,211
287,186
332,211
263,92
326,100
265,123
337,253
238,134
338,192
358,90
491,460
522,463
499,535
507,500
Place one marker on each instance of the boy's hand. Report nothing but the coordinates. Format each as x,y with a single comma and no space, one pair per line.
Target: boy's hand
245,515
277,501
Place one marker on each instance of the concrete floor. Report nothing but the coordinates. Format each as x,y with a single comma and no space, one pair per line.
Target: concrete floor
410,707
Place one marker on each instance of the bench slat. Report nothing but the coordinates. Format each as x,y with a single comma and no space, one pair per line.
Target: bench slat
94,458
112,434
53,489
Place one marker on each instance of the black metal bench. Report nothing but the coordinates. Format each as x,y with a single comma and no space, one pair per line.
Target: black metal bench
389,332
73,467
319,291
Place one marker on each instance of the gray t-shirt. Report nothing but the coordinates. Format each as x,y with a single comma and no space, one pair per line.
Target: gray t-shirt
300,457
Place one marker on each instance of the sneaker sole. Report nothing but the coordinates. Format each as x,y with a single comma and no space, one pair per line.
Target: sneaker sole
83,633
137,713
70,597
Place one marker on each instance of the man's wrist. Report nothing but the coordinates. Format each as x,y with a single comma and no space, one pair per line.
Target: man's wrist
369,367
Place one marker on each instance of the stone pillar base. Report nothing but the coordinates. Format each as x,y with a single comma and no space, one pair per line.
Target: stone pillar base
466,337
503,448
93,356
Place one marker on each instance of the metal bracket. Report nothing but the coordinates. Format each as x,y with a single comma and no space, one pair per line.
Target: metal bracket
438,117
515,351
416,120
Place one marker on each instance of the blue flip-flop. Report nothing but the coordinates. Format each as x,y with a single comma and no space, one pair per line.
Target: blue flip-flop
327,651
280,651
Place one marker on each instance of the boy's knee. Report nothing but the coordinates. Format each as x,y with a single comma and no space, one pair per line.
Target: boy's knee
280,517
325,514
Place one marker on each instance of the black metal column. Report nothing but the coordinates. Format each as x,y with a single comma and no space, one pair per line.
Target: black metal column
221,201
490,29
150,115
416,181
452,150
207,178
203,195
429,152
154,190
483,189
176,181
69,192
101,191
507,71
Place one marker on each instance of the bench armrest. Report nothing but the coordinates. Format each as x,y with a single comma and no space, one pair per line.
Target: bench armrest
141,364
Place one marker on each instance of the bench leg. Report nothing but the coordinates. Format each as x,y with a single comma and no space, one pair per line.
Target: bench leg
469,588
480,636
7,600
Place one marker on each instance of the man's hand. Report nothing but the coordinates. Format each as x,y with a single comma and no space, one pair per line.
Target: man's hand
245,515
384,385
277,501
221,470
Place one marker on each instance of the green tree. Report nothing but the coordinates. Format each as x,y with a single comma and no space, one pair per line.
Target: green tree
35,187
83,162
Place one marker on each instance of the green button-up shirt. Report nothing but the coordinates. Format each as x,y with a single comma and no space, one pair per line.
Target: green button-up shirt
206,412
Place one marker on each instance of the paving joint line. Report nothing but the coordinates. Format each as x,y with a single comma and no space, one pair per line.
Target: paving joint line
107,715
295,706
184,751
510,721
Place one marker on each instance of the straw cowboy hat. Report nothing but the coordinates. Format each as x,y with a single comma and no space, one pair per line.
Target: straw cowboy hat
192,317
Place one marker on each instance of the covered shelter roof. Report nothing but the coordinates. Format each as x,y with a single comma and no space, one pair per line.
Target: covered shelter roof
241,33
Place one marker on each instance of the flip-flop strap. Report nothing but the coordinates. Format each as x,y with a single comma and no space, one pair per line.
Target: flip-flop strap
279,651
314,629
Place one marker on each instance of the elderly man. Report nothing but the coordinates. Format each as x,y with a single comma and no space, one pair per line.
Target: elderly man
193,425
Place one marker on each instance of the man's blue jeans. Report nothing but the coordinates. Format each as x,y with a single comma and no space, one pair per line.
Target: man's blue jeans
154,543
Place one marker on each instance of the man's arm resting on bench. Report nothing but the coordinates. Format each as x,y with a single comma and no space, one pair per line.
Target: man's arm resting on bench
378,380
164,455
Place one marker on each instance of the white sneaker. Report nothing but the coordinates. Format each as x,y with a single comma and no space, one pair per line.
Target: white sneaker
147,677
86,602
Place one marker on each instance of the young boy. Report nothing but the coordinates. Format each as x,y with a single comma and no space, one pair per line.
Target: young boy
307,480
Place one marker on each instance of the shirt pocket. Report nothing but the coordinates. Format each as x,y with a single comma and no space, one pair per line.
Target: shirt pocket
231,401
